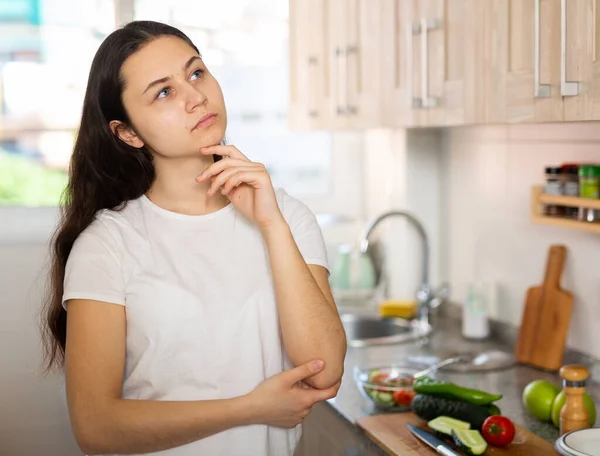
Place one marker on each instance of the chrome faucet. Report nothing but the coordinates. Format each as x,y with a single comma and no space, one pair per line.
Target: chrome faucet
425,295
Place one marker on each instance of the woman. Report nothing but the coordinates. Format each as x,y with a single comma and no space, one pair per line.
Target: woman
184,275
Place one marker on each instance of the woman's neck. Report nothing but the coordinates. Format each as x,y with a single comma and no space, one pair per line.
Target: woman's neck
175,188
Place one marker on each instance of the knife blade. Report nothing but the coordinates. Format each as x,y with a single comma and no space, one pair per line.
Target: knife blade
437,444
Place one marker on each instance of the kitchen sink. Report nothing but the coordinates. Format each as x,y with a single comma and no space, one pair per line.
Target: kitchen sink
366,330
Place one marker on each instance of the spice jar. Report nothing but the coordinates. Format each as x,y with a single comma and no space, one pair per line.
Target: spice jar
589,187
570,178
554,186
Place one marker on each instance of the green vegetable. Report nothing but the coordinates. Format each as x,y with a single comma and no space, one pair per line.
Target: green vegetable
428,385
384,398
494,409
373,373
445,424
430,407
470,441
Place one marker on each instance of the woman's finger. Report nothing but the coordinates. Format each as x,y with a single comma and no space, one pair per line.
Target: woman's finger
219,167
225,175
225,151
247,177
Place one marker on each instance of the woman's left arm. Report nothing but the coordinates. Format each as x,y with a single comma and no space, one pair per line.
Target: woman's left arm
309,319
310,323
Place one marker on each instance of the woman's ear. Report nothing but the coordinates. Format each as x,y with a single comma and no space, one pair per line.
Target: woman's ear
126,134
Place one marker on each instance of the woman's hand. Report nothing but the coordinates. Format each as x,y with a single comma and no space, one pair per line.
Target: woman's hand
284,400
245,183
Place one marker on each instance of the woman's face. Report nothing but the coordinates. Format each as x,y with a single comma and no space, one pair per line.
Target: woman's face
175,105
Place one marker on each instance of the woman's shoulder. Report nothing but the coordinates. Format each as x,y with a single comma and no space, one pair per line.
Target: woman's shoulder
110,225
287,202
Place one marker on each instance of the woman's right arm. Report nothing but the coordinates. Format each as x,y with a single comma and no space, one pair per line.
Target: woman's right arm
104,423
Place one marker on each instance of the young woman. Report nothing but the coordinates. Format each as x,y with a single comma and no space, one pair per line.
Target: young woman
192,287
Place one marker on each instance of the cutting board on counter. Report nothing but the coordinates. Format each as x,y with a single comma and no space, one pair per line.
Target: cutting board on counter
546,317
389,431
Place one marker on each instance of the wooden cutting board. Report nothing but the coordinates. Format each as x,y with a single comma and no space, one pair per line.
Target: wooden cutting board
546,316
389,431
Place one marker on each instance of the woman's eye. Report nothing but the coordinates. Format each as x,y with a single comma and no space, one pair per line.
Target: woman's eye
198,73
163,93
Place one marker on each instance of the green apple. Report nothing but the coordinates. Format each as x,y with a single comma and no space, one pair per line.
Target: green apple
538,398
559,401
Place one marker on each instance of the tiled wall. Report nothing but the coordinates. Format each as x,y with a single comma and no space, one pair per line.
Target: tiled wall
488,235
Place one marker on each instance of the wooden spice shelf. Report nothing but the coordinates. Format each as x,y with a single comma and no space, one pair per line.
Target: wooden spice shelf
539,199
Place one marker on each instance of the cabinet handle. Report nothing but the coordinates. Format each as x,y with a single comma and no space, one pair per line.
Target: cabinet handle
413,102
342,67
567,89
540,90
350,110
427,100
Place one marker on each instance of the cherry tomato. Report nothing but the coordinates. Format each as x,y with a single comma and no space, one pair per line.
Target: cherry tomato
403,397
379,379
498,430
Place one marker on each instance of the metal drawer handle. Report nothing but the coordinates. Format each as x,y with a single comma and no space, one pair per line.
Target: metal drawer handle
540,90
567,89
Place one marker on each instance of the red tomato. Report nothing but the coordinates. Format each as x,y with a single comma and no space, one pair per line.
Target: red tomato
498,430
379,379
403,397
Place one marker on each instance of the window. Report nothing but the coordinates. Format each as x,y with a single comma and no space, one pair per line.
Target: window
43,72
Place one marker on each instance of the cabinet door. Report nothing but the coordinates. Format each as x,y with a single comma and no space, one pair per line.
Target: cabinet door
581,81
401,63
442,39
310,94
355,63
532,76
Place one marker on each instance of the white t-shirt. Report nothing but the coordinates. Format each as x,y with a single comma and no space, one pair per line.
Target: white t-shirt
202,320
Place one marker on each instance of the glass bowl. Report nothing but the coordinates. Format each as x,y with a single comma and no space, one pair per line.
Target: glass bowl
388,388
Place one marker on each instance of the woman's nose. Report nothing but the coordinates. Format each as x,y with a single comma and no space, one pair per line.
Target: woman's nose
194,98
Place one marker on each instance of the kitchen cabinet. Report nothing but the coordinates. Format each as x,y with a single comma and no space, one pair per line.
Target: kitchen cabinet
310,92
581,81
540,61
424,70
334,64
518,61
431,63
325,433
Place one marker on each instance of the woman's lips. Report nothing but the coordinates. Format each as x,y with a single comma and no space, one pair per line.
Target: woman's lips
206,121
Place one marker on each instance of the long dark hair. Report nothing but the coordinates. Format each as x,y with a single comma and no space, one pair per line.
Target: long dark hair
104,172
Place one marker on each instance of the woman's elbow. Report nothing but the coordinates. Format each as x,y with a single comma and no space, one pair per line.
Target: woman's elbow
330,377
89,436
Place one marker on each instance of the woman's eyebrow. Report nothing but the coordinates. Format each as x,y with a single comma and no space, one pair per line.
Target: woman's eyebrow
165,79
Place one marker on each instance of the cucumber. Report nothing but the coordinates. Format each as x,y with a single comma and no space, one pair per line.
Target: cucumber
470,441
430,407
373,373
384,399
494,409
445,425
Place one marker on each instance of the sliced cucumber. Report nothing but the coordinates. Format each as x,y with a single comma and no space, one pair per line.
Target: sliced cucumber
384,398
373,373
445,425
470,441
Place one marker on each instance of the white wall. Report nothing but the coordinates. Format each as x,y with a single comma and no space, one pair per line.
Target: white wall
490,171
33,416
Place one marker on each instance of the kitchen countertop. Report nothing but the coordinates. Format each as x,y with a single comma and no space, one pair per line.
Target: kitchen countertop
446,340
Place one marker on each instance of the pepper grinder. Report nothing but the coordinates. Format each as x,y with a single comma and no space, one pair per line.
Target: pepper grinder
574,415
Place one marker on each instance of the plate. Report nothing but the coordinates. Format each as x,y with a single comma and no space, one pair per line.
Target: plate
584,442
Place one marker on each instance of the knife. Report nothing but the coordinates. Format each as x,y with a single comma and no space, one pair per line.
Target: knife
437,444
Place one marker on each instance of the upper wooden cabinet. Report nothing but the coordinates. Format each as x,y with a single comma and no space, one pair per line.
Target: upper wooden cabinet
334,64
535,61
429,63
310,89
424,68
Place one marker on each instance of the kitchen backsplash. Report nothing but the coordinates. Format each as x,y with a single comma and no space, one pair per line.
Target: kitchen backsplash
487,235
